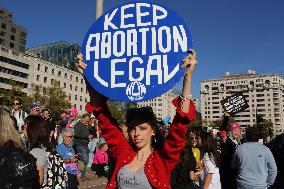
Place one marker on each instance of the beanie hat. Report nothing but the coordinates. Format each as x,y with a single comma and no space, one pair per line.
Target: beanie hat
138,116
33,106
222,134
234,126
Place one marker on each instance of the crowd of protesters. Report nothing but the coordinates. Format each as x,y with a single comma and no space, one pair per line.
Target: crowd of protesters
137,152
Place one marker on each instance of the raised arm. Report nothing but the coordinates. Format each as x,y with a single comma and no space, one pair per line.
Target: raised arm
185,112
108,125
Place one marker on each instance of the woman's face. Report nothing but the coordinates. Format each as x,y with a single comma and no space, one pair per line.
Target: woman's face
193,139
141,135
104,147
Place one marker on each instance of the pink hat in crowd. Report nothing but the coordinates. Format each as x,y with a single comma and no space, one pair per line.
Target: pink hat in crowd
223,134
234,126
73,112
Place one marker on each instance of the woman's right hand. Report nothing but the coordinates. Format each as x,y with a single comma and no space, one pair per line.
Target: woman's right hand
80,65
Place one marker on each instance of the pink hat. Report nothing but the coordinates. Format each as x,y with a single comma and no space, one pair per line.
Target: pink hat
73,112
234,126
223,134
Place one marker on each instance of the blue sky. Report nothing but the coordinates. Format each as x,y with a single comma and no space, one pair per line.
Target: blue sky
229,36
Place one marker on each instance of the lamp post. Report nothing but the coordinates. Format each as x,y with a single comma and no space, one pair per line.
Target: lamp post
99,8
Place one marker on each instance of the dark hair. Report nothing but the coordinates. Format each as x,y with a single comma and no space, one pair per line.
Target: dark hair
46,109
37,131
209,146
19,100
14,122
252,134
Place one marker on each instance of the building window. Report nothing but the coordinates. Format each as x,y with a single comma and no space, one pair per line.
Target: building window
45,69
81,107
44,90
82,81
71,77
70,87
52,71
76,79
76,88
59,73
2,33
37,77
38,67
12,37
65,76
45,79
51,81
13,30
12,45
23,34
81,89
3,26
81,98
75,97
64,85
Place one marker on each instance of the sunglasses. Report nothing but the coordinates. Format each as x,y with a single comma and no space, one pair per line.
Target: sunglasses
194,138
16,103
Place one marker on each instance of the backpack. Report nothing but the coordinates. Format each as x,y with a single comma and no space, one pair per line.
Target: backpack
18,169
56,172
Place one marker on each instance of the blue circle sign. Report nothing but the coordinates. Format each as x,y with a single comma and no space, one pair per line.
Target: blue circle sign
134,52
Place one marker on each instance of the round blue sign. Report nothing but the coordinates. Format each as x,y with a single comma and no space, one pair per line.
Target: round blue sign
134,52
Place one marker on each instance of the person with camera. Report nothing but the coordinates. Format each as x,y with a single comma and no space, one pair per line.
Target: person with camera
67,152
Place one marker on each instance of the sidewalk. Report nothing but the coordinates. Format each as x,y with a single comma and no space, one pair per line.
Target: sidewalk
92,181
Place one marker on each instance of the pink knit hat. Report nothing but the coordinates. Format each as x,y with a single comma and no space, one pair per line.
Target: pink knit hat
234,126
73,112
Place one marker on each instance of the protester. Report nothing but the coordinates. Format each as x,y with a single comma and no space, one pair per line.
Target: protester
94,131
100,160
183,176
46,114
82,137
18,113
228,146
254,162
17,168
67,152
210,178
34,109
37,134
277,148
73,118
145,162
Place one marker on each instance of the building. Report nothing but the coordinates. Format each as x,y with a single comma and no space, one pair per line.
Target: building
12,36
26,69
61,53
162,106
264,93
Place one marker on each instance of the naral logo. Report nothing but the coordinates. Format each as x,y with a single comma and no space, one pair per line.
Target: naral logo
135,91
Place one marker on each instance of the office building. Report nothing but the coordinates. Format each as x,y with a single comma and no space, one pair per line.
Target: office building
61,53
12,36
264,93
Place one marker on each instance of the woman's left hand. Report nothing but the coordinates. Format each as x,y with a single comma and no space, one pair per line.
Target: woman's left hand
190,61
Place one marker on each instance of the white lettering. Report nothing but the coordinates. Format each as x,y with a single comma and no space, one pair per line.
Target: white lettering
118,41
178,40
124,16
167,48
141,14
106,45
107,22
151,71
114,73
167,75
131,42
157,17
144,39
95,48
137,70
96,74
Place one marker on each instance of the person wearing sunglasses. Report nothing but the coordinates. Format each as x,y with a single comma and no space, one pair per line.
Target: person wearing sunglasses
67,152
146,161
18,113
34,109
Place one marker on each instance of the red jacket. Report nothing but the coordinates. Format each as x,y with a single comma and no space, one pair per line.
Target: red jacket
160,163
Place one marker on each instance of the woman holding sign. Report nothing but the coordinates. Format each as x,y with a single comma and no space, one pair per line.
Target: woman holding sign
145,161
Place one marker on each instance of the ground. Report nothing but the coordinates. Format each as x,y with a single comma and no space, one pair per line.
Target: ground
92,181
